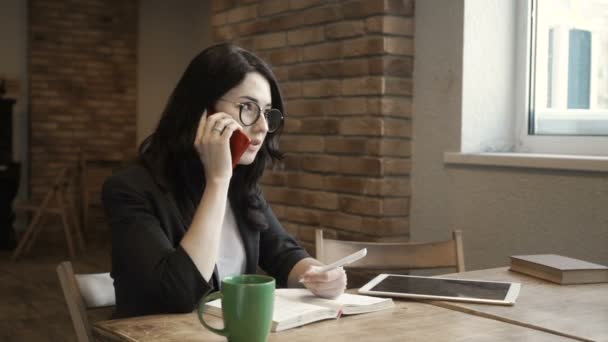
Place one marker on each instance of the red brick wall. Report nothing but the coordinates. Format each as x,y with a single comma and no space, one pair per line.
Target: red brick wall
345,69
82,65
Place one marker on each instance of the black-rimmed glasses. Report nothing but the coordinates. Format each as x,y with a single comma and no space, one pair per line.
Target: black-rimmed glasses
250,112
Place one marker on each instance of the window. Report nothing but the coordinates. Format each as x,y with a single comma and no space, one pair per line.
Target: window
567,87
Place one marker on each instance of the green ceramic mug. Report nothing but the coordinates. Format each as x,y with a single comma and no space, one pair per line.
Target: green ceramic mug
247,306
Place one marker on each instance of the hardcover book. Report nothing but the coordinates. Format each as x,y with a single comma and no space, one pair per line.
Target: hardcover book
559,269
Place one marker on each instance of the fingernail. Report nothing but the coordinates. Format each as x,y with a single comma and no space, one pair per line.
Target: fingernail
301,280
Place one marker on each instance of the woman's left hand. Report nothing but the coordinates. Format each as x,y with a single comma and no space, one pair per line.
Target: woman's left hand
330,284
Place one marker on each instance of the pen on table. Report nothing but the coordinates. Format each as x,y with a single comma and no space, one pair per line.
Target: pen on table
341,262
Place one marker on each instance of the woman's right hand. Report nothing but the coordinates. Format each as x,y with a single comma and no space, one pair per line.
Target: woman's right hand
212,143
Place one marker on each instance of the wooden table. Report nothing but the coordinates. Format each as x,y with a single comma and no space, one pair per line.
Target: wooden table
577,311
407,321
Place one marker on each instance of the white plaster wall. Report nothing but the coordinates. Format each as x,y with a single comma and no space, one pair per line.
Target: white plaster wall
171,33
488,90
502,211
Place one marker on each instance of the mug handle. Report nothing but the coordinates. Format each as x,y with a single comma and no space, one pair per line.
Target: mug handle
200,311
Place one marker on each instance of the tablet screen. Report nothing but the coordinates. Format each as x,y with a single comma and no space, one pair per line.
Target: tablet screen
443,287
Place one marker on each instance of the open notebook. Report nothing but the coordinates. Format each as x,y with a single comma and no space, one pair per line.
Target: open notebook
296,307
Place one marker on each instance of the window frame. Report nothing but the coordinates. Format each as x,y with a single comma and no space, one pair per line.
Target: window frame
526,142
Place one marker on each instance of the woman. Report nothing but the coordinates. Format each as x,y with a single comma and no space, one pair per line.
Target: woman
181,217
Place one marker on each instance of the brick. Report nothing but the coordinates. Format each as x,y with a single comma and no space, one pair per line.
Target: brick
281,73
283,56
361,205
249,28
396,166
300,4
222,5
342,221
398,86
272,7
280,211
394,148
306,71
291,228
218,19
390,25
306,180
345,106
307,232
291,90
322,52
399,46
391,106
239,14
271,177
342,165
363,86
300,143
395,66
353,67
312,126
318,15
269,41
305,36
370,226
309,199
363,46
291,161
343,145
366,8
397,128
224,33
345,29
363,8
301,215
304,107
362,126
322,88
396,206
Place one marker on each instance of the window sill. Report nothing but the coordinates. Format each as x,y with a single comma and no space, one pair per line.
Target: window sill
529,160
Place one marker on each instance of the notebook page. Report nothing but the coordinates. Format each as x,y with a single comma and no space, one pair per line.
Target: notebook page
350,303
288,308
285,309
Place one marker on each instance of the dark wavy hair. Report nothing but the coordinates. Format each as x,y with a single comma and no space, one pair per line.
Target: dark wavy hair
169,152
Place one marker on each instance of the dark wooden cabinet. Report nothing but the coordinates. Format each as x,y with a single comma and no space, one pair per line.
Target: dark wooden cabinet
9,175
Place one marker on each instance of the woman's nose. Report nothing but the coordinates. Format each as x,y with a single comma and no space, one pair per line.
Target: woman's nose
261,125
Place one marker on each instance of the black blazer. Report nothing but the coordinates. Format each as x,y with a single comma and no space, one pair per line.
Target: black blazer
152,272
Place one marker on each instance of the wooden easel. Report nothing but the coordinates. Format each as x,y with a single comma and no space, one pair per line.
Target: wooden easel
58,201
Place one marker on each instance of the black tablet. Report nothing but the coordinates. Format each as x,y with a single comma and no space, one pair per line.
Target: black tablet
437,288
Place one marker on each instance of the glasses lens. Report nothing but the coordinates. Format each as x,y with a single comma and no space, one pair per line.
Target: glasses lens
274,117
249,113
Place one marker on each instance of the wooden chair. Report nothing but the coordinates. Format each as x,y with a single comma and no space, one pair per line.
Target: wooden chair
57,201
83,292
394,255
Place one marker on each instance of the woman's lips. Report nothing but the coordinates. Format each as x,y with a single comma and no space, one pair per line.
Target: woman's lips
255,144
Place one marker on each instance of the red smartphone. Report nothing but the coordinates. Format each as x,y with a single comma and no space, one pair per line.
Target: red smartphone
239,142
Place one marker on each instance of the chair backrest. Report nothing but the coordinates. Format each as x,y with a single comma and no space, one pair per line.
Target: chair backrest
82,292
394,255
